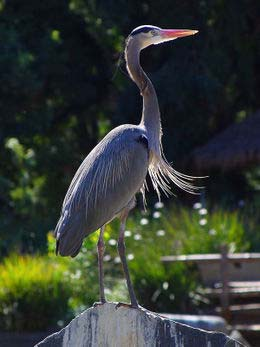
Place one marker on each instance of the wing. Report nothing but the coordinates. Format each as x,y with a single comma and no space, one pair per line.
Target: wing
104,184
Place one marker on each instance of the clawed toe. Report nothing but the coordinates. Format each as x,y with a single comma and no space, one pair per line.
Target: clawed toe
119,304
99,303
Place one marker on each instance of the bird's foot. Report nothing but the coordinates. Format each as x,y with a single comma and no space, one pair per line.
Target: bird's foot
99,303
119,304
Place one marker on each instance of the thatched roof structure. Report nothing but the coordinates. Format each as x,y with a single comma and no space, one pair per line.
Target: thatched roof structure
236,146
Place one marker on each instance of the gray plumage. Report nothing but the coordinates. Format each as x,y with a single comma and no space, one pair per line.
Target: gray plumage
105,184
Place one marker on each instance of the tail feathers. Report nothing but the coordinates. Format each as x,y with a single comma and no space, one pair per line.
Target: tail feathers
162,173
69,234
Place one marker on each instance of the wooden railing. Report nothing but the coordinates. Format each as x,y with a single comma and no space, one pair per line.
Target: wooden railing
226,275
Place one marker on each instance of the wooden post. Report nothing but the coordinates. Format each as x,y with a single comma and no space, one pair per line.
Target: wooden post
224,275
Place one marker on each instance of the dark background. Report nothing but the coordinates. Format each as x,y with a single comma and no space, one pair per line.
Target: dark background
61,91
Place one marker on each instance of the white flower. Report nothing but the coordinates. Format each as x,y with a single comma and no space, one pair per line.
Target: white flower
107,257
165,285
77,275
232,247
117,260
137,237
128,233
171,297
112,242
203,211
197,205
159,204
156,214
203,221
212,232
130,256
107,291
160,232
144,221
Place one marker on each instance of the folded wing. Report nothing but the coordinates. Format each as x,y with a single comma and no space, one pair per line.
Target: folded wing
104,184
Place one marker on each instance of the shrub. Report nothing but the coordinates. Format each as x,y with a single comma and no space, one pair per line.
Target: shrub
37,292
33,293
170,232
200,231
149,236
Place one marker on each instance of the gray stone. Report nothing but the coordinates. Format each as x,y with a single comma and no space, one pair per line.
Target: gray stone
109,326
205,322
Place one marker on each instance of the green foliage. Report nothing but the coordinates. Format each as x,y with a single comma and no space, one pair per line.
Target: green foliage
250,215
54,76
24,199
61,92
178,231
158,233
34,293
81,273
203,232
58,98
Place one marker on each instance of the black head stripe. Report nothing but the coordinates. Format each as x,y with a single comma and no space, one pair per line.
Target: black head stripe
143,29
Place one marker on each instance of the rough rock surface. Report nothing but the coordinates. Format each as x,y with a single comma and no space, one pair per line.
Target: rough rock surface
109,326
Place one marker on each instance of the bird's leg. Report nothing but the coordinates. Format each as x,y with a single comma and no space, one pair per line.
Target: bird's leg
121,251
101,251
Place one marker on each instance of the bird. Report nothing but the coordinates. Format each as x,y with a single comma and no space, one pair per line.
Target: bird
106,183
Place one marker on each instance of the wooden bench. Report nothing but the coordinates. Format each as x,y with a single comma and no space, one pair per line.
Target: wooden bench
230,277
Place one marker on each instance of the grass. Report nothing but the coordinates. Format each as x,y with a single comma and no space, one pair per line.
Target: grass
34,293
39,291
149,236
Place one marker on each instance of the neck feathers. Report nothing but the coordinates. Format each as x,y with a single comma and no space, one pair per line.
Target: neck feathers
160,171
151,119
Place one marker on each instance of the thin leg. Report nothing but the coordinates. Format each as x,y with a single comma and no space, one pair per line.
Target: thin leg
101,251
121,251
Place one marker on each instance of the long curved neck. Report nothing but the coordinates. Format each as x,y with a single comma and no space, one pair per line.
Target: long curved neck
151,119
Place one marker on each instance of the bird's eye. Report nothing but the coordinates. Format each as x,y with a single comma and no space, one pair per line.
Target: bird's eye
153,32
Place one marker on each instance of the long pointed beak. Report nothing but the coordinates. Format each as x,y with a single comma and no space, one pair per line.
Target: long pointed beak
175,33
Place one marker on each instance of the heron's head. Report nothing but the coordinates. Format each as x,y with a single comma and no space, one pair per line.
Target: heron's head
147,35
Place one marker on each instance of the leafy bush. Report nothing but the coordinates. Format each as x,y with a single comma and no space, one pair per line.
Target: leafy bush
149,236
82,272
200,231
34,293
177,231
23,200
49,125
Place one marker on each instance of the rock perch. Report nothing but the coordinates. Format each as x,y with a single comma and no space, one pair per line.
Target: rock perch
109,326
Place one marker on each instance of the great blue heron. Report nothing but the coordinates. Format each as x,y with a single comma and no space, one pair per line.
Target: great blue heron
105,184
